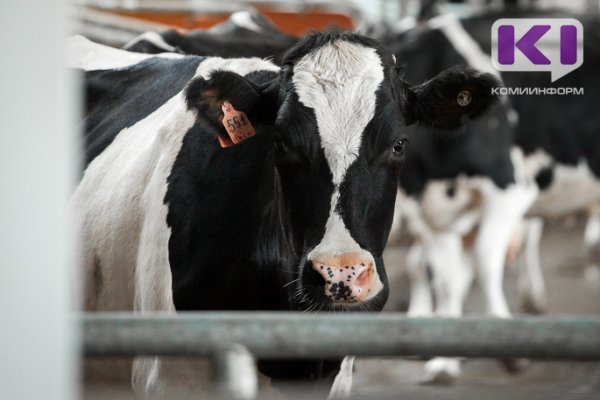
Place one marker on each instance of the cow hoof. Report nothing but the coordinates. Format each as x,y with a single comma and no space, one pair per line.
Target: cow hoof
534,304
441,371
516,365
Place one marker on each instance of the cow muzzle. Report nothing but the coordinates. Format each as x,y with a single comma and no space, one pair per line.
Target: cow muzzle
349,278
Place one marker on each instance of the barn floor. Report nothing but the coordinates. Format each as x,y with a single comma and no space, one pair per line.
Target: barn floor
395,378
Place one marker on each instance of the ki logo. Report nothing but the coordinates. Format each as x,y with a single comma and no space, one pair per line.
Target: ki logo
537,44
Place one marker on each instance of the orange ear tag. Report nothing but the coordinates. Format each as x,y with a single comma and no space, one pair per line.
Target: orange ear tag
237,125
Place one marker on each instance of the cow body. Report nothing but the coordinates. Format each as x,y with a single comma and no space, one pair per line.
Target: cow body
294,218
125,234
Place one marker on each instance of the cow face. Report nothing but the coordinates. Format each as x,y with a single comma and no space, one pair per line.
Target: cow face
336,116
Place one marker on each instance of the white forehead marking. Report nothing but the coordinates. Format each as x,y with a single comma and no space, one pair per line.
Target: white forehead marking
338,81
336,240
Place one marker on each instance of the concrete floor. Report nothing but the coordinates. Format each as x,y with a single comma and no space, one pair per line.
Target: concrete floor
396,378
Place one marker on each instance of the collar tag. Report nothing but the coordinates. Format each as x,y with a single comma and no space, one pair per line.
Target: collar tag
237,125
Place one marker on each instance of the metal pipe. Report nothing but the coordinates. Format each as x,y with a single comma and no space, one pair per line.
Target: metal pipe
293,335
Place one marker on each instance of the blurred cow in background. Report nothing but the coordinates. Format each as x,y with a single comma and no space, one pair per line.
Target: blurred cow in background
244,34
468,203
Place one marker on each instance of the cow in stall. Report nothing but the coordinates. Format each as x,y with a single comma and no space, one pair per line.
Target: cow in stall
244,34
541,145
236,184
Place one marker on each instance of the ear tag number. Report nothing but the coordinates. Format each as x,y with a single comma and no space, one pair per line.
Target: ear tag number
236,124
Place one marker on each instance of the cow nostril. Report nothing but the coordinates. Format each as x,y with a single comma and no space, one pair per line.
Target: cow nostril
320,273
363,276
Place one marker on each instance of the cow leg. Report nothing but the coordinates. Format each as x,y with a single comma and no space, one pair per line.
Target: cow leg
452,277
490,251
503,211
592,245
532,288
144,379
343,380
489,254
421,303
452,273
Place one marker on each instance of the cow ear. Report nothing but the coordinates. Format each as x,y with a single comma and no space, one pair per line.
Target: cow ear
448,99
207,97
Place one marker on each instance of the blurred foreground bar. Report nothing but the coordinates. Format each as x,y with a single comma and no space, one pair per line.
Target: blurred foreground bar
296,335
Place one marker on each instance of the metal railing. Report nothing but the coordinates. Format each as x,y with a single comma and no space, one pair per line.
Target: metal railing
291,335
232,339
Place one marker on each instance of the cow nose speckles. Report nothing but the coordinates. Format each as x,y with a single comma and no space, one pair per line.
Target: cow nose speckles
348,278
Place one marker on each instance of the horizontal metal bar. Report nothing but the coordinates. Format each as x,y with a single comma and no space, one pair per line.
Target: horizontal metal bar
292,335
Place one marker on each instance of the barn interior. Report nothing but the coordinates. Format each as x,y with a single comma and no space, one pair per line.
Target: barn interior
493,254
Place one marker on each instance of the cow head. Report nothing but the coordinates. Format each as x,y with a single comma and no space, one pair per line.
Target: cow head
335,116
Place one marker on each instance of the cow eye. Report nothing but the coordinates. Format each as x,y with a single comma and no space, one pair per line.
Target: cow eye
398,148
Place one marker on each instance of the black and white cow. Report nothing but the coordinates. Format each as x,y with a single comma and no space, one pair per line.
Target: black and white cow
458,220
295,217
244,34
